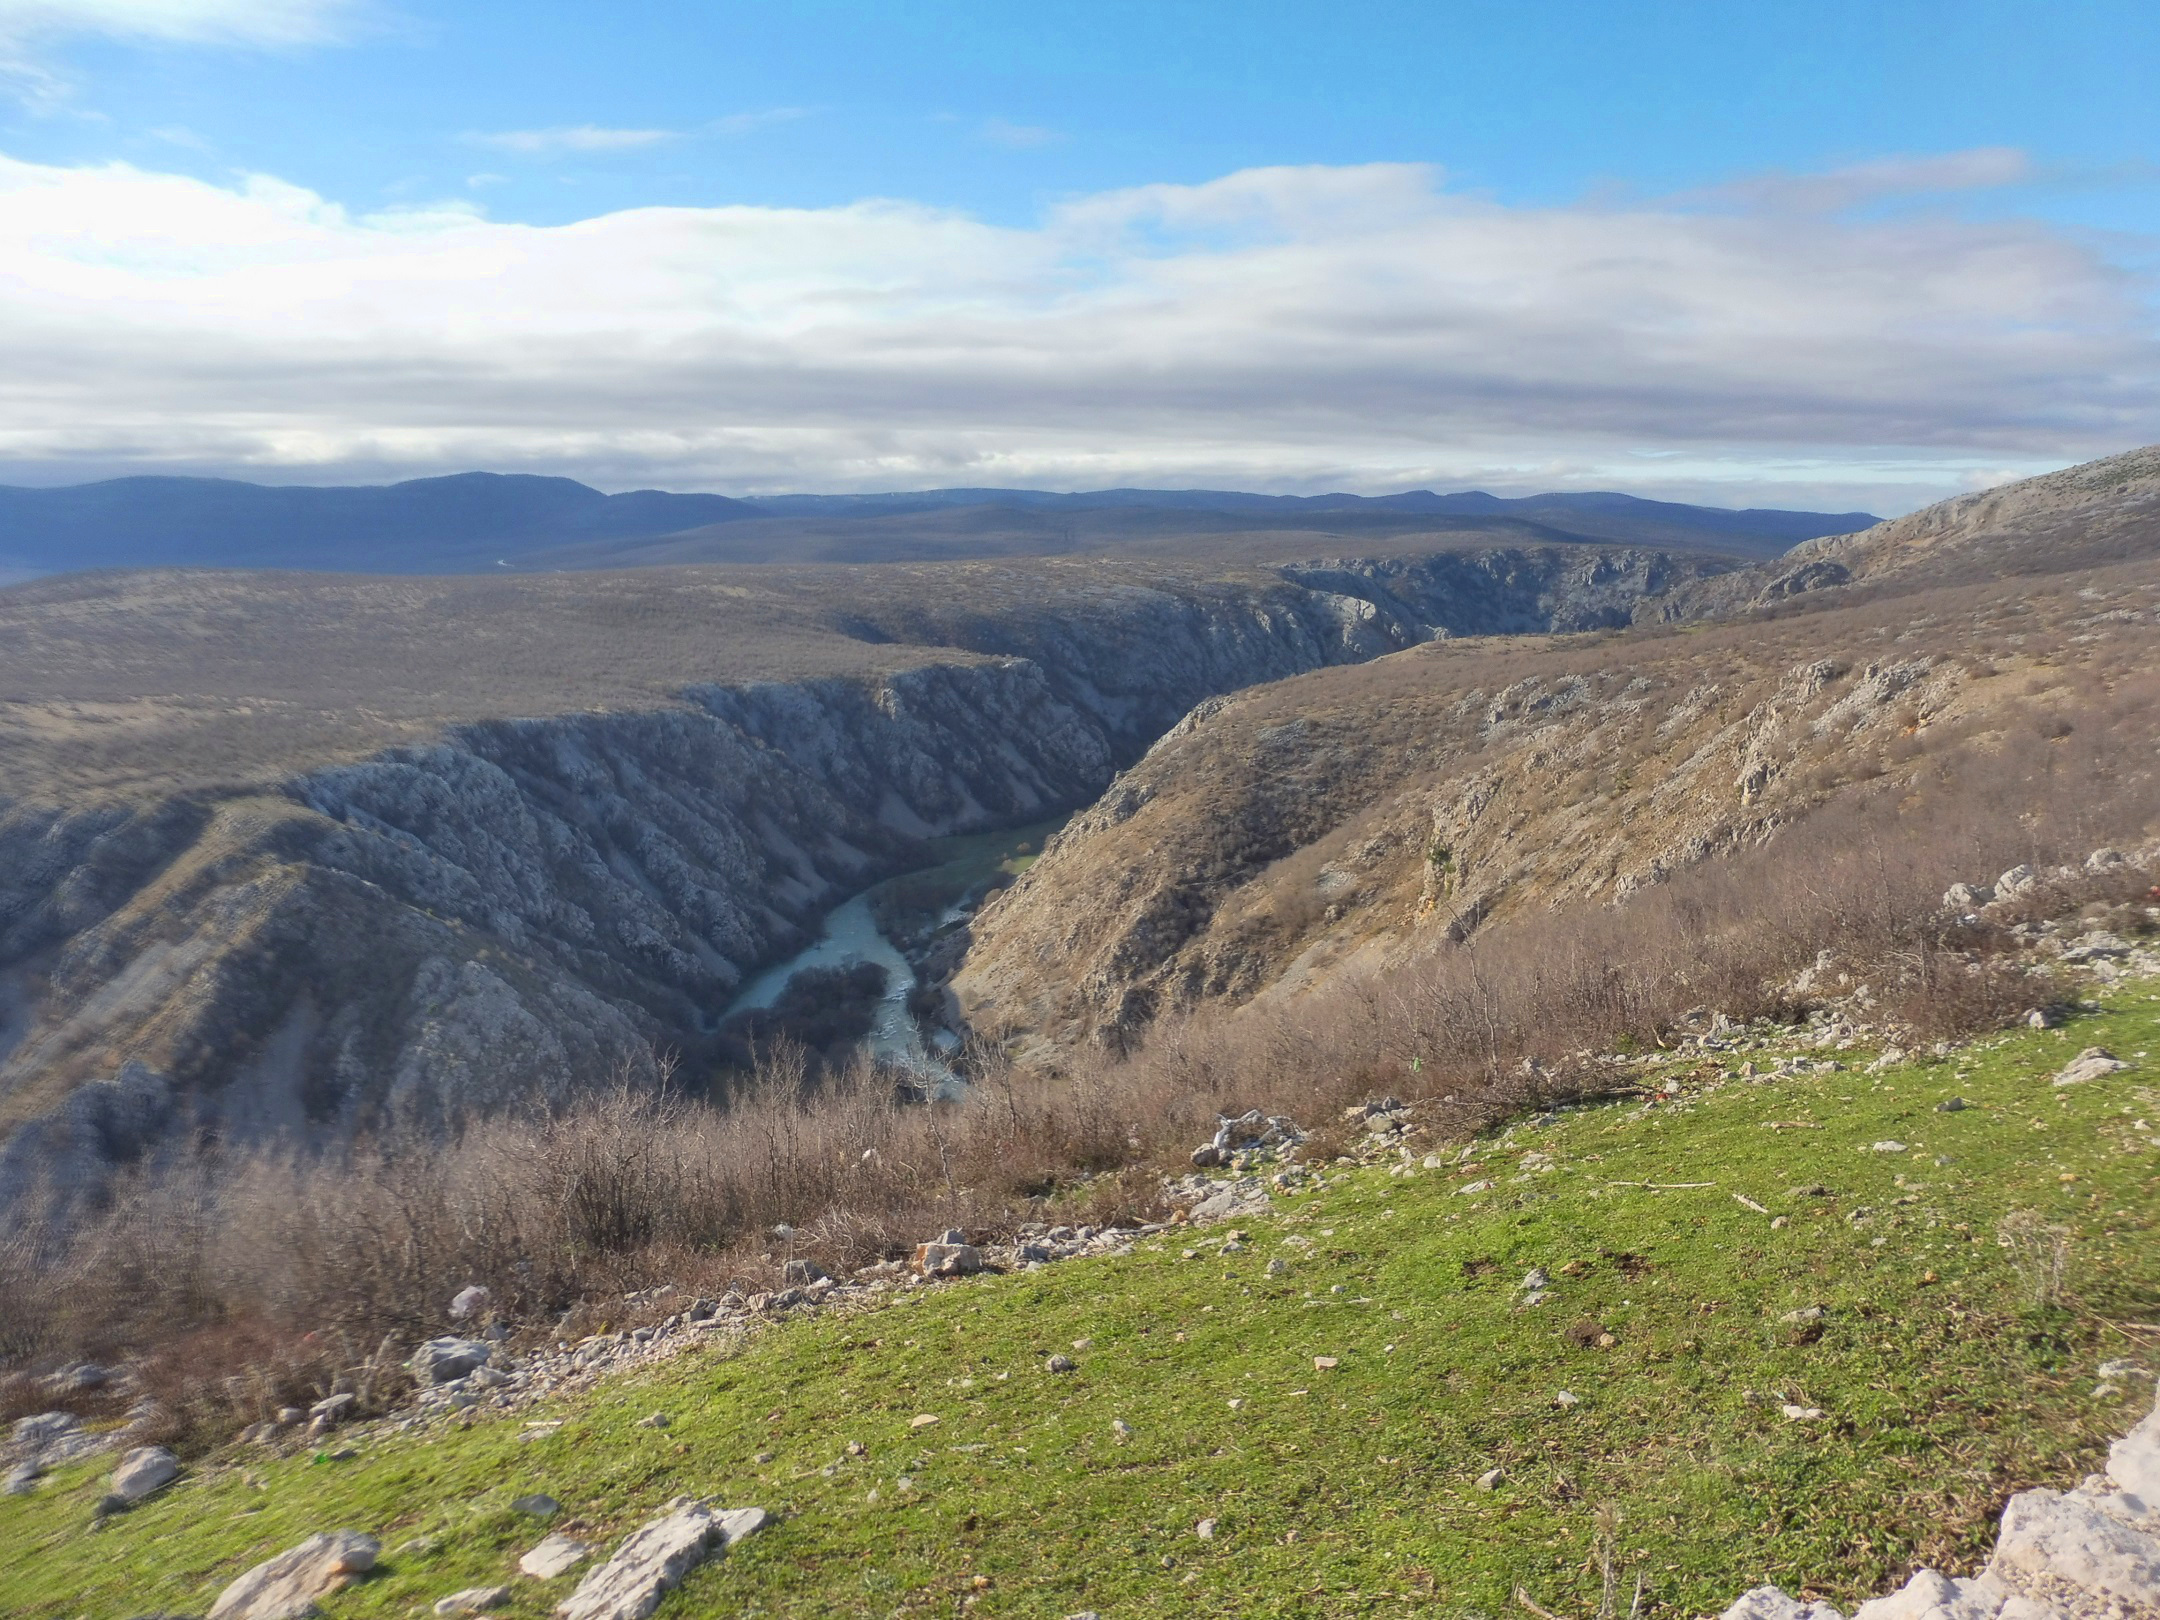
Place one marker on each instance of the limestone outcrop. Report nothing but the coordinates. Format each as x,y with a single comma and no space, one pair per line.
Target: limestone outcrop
2092,1553
511,907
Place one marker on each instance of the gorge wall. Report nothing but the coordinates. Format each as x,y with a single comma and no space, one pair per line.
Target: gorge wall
517,906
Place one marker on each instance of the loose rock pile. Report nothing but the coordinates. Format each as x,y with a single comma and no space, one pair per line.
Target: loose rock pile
1249,1137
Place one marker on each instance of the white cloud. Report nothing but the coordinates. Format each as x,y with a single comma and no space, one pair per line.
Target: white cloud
192,22
743,123
29,29
573,138
1981,168
1351,327
1020,137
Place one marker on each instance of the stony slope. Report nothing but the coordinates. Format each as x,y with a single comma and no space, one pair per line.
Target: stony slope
1356,815
291,853
1751,1331
2087,516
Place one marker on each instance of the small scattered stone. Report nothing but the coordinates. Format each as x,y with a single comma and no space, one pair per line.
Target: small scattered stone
1120,1428
923,1420
1056,1364
143,1471
655,1420
538,1505
1325,1363
1801,1414
1952,1105
1490,1479
473,1599
1889,1147
1205,1530
1804,1315
1567,1397
557,1555
286,1587
469,1301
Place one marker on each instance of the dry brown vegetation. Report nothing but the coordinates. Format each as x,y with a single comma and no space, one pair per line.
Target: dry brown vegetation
1467,875
1319,825
242,1281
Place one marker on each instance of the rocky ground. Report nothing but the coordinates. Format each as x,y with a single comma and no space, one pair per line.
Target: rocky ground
298,856
1844,1294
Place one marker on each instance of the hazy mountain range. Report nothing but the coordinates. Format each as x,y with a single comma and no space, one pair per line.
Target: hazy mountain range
470,522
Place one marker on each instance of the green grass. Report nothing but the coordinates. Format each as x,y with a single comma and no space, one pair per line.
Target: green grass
1351,1491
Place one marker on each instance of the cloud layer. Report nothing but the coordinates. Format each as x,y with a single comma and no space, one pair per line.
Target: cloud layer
1355,327
571,138
194,22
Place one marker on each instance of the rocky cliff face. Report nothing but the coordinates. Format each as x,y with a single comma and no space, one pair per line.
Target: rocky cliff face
522,905
1354,816
2087,516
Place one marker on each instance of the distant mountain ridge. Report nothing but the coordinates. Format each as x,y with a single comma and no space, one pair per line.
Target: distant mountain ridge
453,524
471,522
1768,522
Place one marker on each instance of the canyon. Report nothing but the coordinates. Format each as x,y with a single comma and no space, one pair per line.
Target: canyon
305,855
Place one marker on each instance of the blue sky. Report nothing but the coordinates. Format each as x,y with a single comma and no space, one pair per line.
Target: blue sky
942,211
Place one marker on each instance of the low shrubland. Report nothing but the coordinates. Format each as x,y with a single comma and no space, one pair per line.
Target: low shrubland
240,1278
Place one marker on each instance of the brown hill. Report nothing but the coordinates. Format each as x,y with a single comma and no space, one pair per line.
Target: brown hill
1358,816
2088,516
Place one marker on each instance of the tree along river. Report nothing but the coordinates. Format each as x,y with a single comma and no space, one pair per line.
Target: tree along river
917,907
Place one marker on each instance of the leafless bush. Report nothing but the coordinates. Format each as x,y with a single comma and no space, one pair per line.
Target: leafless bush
2039,1253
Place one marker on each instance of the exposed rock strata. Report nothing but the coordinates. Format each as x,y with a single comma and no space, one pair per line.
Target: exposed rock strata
519,906
1346,817
2087,516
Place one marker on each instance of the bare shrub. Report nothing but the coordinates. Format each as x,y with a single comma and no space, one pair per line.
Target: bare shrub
2039,1253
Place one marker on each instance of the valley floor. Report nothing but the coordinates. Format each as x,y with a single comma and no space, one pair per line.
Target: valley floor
1334,1383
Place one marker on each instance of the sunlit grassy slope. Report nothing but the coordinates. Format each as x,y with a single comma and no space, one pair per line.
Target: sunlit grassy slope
1351,1489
